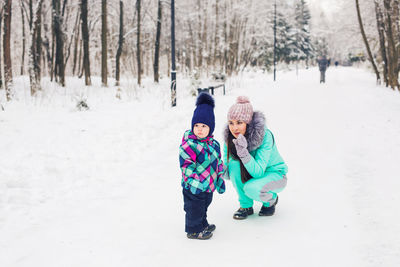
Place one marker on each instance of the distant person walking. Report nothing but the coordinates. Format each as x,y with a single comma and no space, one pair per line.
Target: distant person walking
323,64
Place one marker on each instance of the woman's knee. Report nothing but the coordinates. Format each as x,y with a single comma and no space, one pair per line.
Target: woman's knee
252,189
264,186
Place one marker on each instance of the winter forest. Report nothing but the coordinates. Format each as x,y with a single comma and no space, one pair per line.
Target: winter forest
58,39
96,98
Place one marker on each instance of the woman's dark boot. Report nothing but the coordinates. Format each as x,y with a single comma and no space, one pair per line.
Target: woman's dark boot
268,211
242,213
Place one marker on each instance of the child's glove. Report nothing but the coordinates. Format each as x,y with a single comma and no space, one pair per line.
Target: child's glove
241,148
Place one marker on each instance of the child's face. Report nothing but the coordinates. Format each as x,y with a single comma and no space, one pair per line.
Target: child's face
237,127
201,130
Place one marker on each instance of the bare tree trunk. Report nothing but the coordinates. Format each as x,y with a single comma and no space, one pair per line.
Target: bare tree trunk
371,59
53,49
30,14
6,49
168,61
204,41
34,60
59,35
21,3
76,45
188,61
1,20
198,41
138,51
392,50
396,19
85,37
104,42
241,39
80,68
157,44
216,37
38,38
396,16
193,45
381,31
120,42
72,39
232,44
225,61
46,44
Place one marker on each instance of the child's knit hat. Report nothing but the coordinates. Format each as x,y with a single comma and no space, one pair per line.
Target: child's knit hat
204,112
242,110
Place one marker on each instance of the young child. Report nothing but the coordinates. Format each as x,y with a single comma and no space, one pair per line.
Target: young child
202,169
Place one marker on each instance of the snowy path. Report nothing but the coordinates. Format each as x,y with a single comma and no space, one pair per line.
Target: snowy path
101,188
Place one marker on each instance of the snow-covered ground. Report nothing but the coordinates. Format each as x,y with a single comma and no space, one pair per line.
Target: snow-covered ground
102,187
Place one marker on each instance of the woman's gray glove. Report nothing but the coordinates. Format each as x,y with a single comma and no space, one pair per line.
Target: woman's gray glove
241,148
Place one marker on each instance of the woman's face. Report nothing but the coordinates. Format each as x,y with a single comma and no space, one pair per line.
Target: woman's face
237,127
201,130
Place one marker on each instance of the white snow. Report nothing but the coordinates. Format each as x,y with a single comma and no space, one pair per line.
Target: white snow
102,187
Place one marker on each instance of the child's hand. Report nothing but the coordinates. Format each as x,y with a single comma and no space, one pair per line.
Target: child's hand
241,146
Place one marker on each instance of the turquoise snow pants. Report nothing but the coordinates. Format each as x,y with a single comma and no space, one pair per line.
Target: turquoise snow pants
262,189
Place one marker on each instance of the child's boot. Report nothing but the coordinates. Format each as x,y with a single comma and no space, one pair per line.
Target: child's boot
202,235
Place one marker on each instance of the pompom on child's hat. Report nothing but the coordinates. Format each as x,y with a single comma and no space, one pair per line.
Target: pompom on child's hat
242,110
204,112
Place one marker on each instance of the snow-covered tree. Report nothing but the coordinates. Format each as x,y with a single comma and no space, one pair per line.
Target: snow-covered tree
285,39
304,49
321,47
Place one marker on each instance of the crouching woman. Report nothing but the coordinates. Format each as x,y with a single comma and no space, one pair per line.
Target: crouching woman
254,165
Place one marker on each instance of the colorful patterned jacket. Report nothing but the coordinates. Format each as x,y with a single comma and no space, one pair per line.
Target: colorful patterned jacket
201,164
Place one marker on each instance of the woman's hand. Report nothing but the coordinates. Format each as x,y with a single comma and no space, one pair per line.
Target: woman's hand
241,148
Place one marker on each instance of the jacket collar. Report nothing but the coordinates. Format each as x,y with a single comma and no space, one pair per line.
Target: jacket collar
190,135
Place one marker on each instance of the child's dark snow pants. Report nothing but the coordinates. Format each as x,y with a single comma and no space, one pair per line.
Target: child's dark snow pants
195,206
